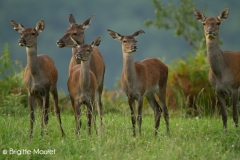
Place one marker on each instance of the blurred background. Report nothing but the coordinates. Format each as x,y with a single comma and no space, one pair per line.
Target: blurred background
124,17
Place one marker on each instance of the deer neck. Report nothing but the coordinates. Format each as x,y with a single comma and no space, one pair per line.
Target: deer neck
32,62
74,60
215,57
129,71
85,75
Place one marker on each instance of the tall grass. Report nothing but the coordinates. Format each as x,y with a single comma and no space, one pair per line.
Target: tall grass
195,138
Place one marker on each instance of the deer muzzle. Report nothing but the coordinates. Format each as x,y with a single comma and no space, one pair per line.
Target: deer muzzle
211,34
60,44
22,42
133,48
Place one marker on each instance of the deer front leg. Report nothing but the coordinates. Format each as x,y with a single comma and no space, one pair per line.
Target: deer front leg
235,106
222,104
77,112
32,118
44,111
89,117
131,105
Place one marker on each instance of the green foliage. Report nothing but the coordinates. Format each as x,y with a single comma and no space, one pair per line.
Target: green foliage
13,92
13,105
5,62
180,19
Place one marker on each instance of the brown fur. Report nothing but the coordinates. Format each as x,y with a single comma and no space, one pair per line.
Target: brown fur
82,84
40,75
97,64
224,73
145,78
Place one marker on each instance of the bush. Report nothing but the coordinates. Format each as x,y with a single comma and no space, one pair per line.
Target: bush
13,92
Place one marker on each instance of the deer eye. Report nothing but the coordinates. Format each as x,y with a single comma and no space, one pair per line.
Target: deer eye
33,33
218,23
74,34
124,41
203,23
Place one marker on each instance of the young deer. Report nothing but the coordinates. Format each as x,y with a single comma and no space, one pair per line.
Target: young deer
224,73
97,65
141,79
40,75
82,83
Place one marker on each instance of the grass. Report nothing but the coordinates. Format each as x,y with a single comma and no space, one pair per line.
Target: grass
190,138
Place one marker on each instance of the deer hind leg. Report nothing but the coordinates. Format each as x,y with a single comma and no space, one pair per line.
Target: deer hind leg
235,107
139,117
54,94
157,111
32,117
94,117
133,118
99,106
162,98
222,104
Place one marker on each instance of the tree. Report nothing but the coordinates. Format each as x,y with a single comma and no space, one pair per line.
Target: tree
180,19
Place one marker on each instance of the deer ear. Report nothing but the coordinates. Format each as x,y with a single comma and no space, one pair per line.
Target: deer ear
115,35
40,26
17,27
224,14
86,24
198,15
137,33
96,42
72,20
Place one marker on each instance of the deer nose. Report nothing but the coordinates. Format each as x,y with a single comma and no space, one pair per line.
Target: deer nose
79,56
60,43
22,42
134,47
210,32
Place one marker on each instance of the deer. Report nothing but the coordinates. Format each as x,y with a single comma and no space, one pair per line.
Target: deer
147,78
82,83
97,64
224,72
40,75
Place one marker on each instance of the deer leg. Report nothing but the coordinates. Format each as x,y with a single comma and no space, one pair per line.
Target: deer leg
32,118
100,90
222,104
77,112
54,94
131,105
157,111
44,108
235,107
139,117
94,117
99,108
89,117
162,98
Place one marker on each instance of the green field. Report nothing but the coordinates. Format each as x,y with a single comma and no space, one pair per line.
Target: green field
190,138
